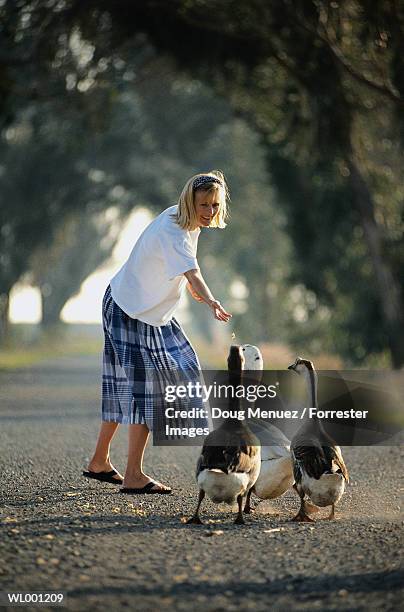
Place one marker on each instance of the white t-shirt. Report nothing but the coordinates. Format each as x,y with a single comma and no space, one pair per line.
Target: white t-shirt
149,285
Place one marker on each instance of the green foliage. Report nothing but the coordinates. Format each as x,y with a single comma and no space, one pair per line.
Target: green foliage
321,82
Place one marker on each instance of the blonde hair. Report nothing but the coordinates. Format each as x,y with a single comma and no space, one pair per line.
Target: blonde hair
186,215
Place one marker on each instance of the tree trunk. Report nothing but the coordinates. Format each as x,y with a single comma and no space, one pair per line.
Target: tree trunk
267,320
51,309
4,318
387,285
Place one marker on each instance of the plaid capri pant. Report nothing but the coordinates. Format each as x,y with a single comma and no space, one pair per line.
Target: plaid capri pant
138,360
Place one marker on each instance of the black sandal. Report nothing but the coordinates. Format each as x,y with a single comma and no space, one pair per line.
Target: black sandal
104,476
146,490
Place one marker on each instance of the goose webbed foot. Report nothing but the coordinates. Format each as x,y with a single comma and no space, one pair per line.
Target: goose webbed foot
194,520
302,516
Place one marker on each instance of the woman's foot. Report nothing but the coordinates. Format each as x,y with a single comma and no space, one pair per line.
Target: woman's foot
105,467
140,481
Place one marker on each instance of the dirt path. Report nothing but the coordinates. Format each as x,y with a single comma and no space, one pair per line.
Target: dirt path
62,532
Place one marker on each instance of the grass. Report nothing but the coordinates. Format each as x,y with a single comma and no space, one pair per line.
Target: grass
20,353
28,346
276,356
27,349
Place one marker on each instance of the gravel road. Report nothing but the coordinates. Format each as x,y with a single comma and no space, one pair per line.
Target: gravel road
106,550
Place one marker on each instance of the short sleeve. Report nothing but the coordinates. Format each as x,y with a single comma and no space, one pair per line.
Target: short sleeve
178,252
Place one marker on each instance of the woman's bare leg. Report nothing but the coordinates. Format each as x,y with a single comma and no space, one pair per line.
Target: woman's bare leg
135,478
100,461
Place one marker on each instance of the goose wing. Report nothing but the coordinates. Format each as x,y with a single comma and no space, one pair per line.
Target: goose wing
212,458
227,459
336,457
226,451
274,444
312,460
274,452
269,435
242,458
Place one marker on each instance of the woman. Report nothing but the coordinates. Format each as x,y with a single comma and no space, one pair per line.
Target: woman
141,334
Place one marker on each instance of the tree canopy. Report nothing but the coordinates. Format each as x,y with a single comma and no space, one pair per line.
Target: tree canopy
320,82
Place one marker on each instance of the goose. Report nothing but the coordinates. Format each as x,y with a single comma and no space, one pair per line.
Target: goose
229,462
253,360
318,465
276,473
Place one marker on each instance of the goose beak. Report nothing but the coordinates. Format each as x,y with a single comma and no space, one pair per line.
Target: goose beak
294,365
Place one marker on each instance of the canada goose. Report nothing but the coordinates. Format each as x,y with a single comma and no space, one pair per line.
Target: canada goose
319,469
230,459
276,474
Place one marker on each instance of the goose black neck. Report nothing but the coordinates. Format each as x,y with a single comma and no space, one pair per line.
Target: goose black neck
313,401
312,389
234,403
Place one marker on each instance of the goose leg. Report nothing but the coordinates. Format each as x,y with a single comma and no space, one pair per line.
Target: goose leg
195,520
302,516
247,508
309,508
240,519
331,516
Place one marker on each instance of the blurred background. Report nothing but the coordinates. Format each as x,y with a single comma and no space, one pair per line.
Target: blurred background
107,108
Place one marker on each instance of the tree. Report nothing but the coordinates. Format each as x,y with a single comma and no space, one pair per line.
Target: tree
312,77
39,184
81,243
318,47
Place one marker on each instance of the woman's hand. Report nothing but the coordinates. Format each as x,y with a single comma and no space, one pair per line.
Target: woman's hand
219,312
201,292
194,293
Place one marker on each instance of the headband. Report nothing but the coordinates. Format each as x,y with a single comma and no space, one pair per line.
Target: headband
204,179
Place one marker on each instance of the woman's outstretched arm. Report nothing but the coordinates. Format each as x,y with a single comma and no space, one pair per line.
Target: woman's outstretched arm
198,285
